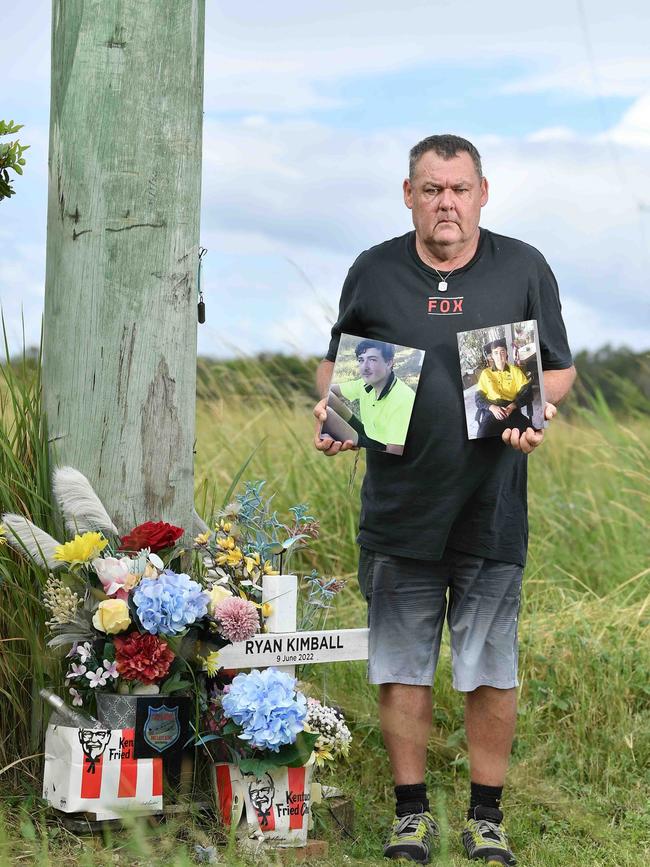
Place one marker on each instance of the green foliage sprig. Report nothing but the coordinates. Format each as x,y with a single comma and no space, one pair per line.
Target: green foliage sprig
11,158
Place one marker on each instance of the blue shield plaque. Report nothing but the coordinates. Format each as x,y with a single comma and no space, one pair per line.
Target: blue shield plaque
162,727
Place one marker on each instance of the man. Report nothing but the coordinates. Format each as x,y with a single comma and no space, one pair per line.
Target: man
450,514
385,402
501,393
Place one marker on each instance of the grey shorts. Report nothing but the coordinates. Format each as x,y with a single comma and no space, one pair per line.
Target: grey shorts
407,603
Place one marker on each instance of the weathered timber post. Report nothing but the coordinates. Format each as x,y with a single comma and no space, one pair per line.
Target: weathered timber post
119,337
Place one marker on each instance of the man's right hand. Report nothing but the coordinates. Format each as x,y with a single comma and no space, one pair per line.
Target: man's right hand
327,445
498,412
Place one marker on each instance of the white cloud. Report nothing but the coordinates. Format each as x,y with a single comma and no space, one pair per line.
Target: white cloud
552,134
318,197
591,328
634,127
295,190
618,76
21,293
277,57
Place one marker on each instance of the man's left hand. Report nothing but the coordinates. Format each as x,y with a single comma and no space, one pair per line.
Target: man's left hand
530,439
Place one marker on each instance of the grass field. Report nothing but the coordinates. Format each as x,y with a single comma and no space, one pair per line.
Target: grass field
579,786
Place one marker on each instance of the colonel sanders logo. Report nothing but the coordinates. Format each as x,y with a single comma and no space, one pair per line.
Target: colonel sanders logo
261,792
93,743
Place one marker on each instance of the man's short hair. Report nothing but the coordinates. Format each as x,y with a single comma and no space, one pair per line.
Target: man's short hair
387,349
498,344
446,146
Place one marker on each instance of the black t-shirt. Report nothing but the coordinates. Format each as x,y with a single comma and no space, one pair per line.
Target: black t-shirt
446,489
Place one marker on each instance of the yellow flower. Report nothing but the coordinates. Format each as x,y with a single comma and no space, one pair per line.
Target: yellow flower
3,534
112,616
217,595
231,558
252,561
322,755
227,544
81,549
267,609
212,663
202,538
268,568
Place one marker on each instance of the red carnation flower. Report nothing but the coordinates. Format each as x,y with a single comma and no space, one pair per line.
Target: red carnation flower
142,657
154,535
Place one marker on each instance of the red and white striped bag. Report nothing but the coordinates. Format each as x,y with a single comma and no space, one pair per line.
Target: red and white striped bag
95,771
276,807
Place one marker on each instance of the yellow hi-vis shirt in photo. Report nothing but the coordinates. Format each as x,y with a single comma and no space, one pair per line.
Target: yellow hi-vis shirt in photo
502,384
384,418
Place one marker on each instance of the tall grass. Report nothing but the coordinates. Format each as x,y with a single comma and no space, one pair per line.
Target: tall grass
579,783
581,758
24,488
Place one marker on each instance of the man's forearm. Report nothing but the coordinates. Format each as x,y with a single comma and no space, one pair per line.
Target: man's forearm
324,377
557,384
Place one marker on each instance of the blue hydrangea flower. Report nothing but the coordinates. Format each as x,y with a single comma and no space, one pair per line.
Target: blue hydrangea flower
167,604
267,707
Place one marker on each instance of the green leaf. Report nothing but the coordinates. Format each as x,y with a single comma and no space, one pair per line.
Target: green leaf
255,766
292,541
174,684
297,754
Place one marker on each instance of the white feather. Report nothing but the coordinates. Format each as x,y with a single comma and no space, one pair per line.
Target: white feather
32,542
80,506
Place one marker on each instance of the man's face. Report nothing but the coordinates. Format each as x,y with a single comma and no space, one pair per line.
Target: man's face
500,357
373,367
261,793
93,741
445,197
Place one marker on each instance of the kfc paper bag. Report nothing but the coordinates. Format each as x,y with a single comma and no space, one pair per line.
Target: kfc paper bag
90,770
277,804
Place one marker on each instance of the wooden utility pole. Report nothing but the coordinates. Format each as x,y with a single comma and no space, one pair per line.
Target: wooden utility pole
119,338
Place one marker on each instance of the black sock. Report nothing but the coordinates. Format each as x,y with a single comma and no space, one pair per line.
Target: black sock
485,796
411,799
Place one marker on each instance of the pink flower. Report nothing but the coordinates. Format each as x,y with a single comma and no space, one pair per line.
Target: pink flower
237,618
113,574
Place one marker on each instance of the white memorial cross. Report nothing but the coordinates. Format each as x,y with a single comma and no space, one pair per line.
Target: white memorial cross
284,648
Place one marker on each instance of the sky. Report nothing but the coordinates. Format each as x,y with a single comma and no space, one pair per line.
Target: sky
310,111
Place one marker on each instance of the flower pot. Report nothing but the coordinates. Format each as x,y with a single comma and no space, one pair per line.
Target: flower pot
273,810
117,711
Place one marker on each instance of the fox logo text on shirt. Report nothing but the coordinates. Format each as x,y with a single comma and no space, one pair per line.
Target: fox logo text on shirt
445,306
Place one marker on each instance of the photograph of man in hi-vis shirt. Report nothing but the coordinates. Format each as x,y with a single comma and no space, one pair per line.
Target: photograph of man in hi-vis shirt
369,404
502,391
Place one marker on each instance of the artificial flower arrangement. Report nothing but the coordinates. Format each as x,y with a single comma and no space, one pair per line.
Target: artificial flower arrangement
334,736
126,616
261,720
248,541
131,622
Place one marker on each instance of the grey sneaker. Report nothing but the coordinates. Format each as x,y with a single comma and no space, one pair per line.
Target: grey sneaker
412,838
484,838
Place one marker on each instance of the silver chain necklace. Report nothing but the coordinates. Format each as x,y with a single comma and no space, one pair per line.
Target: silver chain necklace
442,286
